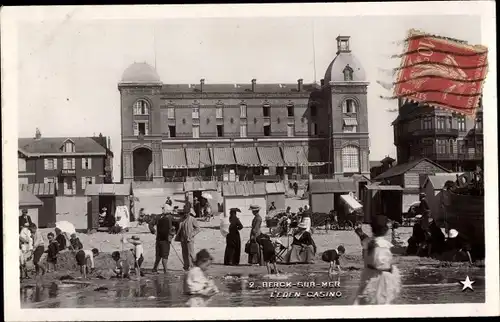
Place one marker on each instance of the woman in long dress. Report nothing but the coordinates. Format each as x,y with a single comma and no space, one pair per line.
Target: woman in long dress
380,279
233,240
303,247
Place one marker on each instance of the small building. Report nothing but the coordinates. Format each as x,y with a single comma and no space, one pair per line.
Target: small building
275,192
106,195
46,193
433,187
30,202
410,176
383,199
241,195
324,195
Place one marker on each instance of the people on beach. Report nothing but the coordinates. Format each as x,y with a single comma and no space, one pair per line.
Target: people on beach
380,279
272,206
253,250
306,218
295,188
188,229
122,268
26,249
459,246
436,239
268,253
417,240
165,232
303,247
38,249
52,251
332,256
61,239
75,243
24,219
395,238
197,283
83,256
233,239
138,252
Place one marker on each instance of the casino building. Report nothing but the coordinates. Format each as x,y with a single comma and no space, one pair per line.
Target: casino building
229,132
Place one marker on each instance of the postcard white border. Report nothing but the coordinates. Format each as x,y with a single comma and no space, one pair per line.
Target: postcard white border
11,16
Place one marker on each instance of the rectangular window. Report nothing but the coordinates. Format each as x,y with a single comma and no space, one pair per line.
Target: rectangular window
219,112
314,129
350,128
441,146
266,110
21,165
290,110
196,131
171,131
461,146
220,131
86,163
243,111
290,130
427,123
196,113
450,122
314,110
49,180
441,123
171,113
69,163
50,164
461,123
69,147
70,186
479,123
267,130
86,181
243,130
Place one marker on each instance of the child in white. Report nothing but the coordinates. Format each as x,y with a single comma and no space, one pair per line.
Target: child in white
138,252
197,283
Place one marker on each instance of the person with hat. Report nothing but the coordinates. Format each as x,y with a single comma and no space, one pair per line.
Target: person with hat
380,280
459,246
436,242
306,217
417,239
424,210
197,283
26,249
303,247
138,252
253,248
188,229
164,234
233,239
24,218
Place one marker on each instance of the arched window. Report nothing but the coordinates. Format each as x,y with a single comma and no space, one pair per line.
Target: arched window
348,73
141,107
350,159
349,106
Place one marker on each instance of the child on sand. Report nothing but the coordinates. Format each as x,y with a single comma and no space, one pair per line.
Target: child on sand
83,256
122,269
26,249
52,251
75,243
197,283
39,249
332,256
138,252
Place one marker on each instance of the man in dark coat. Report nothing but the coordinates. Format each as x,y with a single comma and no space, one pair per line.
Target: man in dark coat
165,232
24,218
255,255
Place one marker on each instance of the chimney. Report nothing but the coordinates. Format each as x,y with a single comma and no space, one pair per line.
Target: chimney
38,134
299,83
254,81
322,82
202,82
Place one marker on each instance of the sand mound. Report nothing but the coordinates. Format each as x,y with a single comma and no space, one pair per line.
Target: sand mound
103,262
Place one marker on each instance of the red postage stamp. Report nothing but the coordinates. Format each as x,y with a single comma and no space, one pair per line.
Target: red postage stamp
441,72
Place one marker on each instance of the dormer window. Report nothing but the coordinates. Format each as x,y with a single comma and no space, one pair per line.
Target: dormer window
349,106
348,73
69,146
141,107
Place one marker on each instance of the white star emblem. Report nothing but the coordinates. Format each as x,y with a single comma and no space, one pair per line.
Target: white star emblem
467,284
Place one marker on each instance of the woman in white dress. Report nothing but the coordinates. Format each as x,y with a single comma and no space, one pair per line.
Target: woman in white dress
380,279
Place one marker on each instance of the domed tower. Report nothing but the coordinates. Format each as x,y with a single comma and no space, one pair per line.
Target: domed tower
140,89
345,93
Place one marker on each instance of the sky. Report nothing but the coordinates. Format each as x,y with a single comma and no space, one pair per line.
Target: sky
68,70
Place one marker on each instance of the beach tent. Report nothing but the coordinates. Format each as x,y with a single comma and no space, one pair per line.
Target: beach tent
275,192
383,199
433,188
241,195
324,195
109,195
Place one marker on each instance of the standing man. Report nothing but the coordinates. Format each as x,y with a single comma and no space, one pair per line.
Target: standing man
188,229
24,219
164,235
295,188
424,210
255,255
187,204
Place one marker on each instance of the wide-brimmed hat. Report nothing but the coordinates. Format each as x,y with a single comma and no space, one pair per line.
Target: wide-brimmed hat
302,225
203,255
235,210
453,233
254,207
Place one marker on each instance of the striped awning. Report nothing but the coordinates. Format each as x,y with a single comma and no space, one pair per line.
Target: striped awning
314,156
247,157
223,156
294,155
270,156
198,158
174,159
275,187
39,189
351,121
243,188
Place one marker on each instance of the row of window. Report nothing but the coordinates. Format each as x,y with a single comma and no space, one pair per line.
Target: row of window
443,122
447,146
68,164
70,183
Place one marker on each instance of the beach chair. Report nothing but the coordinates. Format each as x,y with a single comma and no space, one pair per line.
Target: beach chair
280,250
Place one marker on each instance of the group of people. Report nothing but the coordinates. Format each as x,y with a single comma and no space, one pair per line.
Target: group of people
428,240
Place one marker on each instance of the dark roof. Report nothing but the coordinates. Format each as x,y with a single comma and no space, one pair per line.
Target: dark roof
236,88
27,199
39,189
405,167
54,145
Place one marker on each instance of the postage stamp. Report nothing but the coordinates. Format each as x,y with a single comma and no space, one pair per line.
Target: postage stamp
248,161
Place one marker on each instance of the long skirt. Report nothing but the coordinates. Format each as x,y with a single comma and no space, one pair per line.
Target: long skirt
300,254
256,258
378,287
233,250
